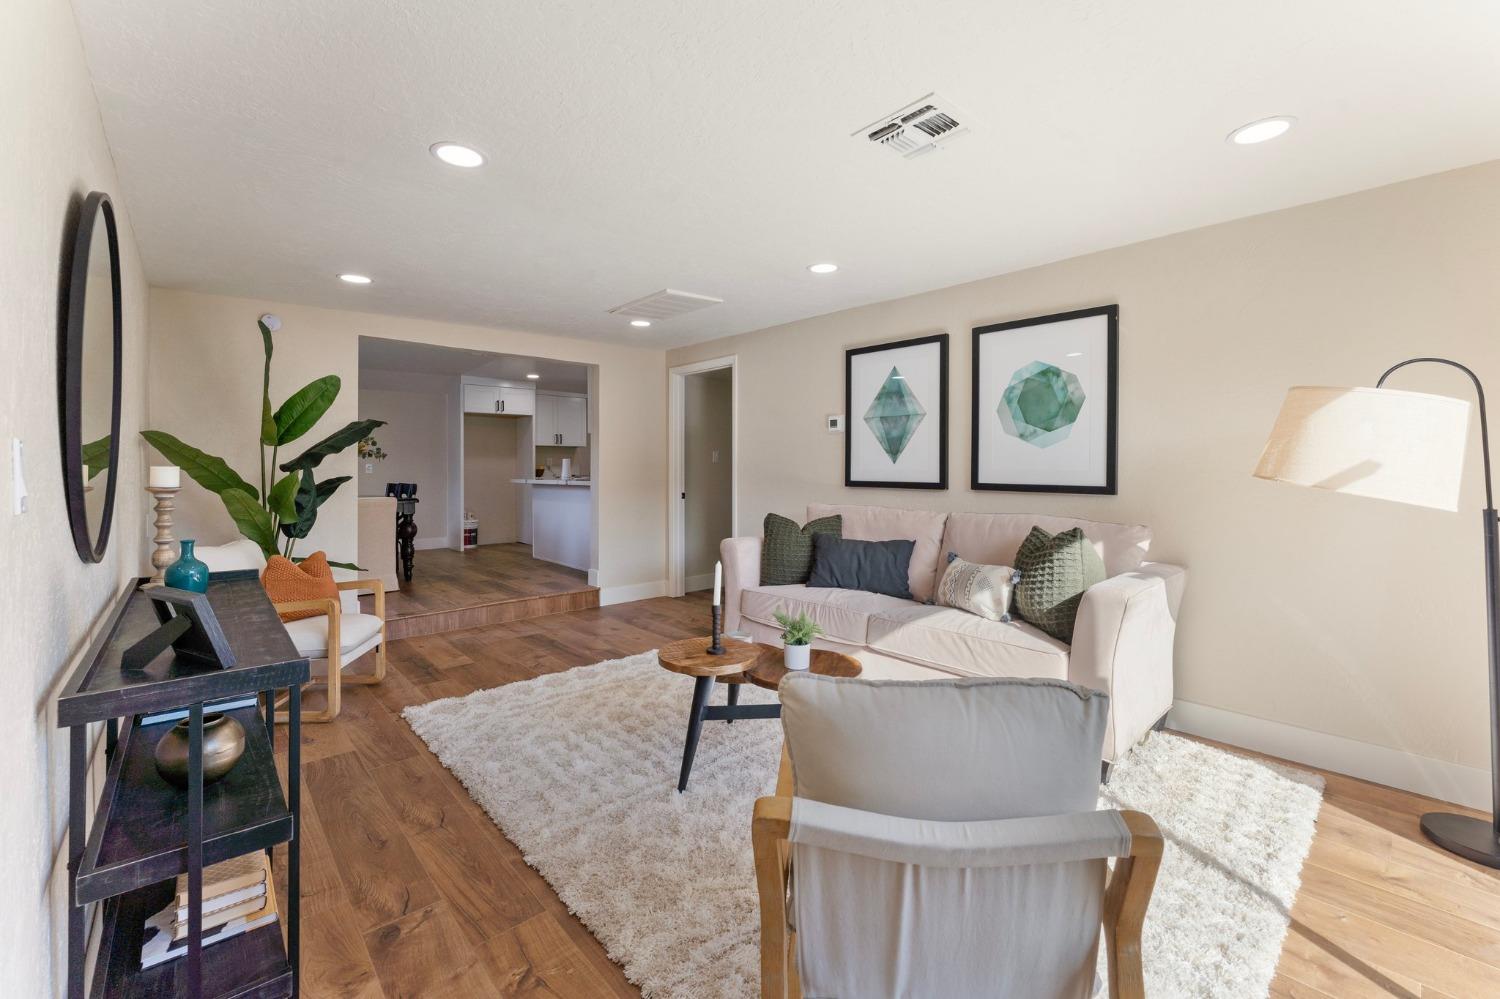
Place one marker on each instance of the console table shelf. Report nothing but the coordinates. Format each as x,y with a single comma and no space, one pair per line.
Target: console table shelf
145,832
140,831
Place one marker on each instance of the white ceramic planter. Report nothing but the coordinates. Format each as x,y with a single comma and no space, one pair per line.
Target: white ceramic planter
798,656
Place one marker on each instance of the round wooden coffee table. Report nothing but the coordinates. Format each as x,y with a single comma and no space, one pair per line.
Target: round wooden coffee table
756,662
770,666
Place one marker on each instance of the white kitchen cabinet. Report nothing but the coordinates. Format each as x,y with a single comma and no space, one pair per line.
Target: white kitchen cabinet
562,420
498,400
481,398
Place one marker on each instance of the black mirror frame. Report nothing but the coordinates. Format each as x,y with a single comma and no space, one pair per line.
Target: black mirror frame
70,377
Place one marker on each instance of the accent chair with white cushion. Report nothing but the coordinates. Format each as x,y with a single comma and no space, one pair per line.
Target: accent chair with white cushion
340,626
941,838
1122,639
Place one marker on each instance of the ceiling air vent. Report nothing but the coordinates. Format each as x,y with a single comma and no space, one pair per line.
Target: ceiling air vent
665,304
918,128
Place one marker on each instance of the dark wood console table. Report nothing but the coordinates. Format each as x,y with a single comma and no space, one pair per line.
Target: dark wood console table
145,832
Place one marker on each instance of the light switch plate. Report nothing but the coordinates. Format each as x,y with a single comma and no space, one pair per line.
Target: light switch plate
836,424
17,477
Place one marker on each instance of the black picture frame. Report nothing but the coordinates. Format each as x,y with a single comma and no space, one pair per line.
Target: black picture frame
852,419
189,625
71,349
1110,487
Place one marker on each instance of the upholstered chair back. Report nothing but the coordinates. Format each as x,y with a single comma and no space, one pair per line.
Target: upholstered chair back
945,839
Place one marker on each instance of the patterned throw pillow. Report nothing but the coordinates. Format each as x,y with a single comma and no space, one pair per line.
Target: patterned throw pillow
287,582
786,553
979,589
1055,570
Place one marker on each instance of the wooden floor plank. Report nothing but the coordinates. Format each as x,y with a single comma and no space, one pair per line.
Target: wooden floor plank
398,857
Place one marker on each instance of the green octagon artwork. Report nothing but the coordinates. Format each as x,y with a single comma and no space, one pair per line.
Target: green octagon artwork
1041,404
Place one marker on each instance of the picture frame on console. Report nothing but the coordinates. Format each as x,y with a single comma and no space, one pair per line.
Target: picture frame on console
896,398
1044,407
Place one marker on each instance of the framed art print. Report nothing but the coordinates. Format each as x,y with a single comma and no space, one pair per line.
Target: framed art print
896,398
1044,408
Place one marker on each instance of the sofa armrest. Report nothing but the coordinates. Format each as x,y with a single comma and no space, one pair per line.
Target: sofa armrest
1122,645
741,558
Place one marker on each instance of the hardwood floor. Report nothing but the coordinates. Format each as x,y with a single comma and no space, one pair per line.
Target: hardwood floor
410,890
491,584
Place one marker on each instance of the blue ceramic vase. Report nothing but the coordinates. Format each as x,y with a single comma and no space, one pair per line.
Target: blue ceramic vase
187,573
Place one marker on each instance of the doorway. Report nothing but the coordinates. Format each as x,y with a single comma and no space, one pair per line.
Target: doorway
703,470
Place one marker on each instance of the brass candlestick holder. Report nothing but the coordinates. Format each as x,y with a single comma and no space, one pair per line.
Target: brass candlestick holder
164,555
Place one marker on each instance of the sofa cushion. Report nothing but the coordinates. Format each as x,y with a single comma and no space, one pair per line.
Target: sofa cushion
1056,570
873,566
965,644
786,550
994,538
842,614
885,523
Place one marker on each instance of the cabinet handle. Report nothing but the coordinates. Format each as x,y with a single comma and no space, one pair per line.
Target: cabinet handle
502,405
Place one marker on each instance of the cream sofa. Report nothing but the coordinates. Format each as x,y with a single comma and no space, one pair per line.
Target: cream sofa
1122,641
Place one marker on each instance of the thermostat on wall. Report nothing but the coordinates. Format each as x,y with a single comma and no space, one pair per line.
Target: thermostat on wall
836,424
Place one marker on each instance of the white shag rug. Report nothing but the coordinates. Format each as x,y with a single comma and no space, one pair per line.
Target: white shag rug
579,769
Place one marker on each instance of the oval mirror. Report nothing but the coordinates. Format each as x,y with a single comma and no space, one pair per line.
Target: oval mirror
91,337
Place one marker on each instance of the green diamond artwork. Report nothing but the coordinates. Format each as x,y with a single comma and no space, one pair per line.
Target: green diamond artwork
1041,404
894,415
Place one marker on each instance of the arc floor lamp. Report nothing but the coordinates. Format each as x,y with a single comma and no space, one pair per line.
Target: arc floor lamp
1407,447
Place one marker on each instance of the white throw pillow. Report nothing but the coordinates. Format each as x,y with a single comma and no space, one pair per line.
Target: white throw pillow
979,589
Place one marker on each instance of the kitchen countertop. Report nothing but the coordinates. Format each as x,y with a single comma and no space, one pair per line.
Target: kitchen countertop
581,483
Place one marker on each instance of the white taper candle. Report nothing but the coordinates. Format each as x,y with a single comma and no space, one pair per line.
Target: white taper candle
718,581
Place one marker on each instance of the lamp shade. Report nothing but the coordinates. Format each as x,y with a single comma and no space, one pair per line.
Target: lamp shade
1407,447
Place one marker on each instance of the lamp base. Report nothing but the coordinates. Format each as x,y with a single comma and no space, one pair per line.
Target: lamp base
1472,839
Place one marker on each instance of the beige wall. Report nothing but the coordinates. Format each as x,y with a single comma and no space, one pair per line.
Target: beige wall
50,601
489,466
708,415
415,438
210,342
1354,618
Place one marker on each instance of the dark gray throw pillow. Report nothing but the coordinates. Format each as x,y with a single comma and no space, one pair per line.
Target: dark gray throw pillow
875,566
786,550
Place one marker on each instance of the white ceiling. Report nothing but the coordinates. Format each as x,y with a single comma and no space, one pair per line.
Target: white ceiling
376,354
264,148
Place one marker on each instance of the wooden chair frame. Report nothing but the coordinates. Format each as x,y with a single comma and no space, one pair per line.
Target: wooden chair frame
1125,898
336,678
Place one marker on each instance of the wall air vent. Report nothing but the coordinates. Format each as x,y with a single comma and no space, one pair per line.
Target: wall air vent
665,304
919,128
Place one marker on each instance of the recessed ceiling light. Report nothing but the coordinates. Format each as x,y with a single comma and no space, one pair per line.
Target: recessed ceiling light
354,279
1076,353
454,154
1262,130
533,377
823,268
640,322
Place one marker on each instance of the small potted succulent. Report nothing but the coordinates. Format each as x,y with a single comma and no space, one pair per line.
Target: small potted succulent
797,634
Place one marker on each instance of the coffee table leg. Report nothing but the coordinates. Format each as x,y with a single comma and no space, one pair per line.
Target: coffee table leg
734,697
702,686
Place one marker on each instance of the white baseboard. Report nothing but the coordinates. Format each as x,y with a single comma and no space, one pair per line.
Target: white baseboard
1435,778
633,591
702,581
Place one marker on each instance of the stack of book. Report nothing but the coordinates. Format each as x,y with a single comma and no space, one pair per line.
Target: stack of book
237,897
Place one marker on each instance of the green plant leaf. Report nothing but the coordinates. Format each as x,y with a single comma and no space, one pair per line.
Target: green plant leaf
349,435
95,456
282,498
209,471
310,496
267,425
253,520
305,408
333,564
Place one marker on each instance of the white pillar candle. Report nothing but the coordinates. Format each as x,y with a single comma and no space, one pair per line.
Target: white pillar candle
718,581
166,477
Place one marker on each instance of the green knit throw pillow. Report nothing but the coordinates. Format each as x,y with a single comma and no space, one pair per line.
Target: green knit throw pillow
786,552
1055,570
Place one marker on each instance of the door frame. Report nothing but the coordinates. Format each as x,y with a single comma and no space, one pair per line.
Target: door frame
677,464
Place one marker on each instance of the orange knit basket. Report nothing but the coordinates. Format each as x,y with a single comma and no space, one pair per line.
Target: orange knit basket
287,581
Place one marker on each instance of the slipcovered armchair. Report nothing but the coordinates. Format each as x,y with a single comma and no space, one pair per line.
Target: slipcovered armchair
941,838
340,626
